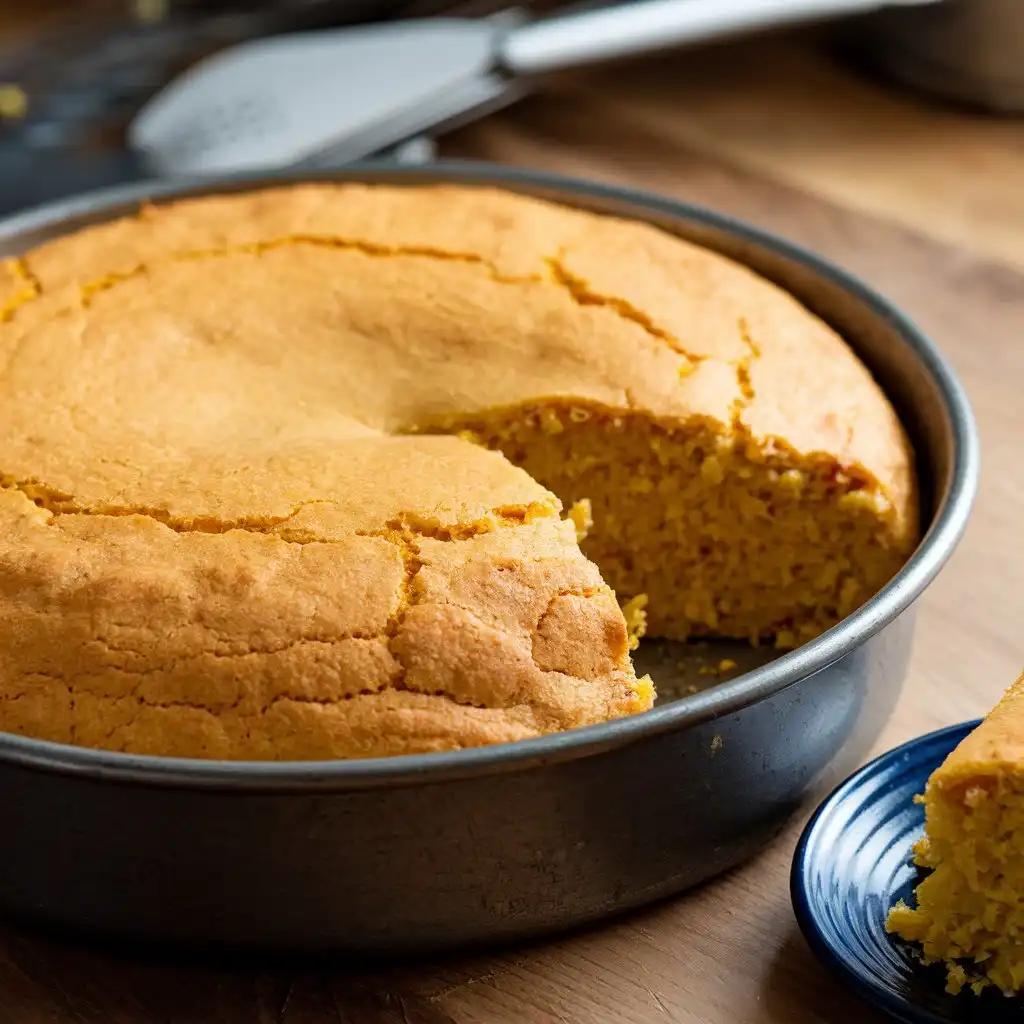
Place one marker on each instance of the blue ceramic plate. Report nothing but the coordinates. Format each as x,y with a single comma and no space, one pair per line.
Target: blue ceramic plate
853,862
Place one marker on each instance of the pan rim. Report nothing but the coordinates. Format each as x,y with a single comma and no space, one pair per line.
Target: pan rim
955,498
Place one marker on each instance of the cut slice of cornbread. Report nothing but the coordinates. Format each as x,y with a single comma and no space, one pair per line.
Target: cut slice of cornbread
285,471
970,908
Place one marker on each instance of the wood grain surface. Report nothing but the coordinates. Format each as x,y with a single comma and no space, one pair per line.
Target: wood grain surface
794,112
885,202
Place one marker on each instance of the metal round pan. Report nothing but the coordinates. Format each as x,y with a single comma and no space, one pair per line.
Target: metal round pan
499,843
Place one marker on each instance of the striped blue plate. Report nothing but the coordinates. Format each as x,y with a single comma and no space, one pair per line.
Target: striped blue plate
853,862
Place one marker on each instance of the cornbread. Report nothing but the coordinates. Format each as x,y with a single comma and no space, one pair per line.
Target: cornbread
970,907
284,471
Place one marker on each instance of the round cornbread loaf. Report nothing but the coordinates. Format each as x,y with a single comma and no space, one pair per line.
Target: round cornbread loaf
283,471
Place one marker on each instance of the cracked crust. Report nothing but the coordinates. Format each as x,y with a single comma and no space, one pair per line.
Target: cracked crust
223,498
703,308
18,287
242,644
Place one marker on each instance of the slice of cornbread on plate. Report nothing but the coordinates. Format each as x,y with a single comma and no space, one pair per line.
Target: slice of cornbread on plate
970,907
286,469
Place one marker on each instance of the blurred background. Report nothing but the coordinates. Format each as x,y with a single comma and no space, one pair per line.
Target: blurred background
887,109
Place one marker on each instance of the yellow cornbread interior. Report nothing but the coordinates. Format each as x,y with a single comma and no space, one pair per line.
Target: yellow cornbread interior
969,909
723,538
251,506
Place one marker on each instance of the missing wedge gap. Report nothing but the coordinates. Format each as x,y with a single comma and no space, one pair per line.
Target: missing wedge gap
726,535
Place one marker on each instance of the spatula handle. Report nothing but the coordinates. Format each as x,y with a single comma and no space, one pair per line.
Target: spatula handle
622,30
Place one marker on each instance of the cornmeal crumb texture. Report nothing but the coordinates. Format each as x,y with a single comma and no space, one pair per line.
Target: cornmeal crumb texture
284,471
970,908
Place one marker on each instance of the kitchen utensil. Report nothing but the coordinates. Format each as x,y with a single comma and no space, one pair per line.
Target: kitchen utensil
496,843
853,862
334,96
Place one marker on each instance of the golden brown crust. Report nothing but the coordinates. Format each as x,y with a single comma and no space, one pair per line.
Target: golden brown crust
994,751
806,388
17,287
245,554
222,636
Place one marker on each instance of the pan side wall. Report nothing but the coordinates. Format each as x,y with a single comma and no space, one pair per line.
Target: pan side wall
411,868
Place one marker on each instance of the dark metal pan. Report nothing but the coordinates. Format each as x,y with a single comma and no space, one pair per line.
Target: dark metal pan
499,843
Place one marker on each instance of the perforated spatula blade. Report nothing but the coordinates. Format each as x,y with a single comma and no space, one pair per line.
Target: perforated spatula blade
281,101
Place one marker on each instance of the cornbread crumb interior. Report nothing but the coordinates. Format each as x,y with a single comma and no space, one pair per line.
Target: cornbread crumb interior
284,471
969,911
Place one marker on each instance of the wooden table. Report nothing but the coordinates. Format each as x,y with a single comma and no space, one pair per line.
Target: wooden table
927,204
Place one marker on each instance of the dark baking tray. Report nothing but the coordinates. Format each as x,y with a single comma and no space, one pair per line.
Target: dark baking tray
499,843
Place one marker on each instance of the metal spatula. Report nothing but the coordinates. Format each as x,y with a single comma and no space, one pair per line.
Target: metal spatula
339,95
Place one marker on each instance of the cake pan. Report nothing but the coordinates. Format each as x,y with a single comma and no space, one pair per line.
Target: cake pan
495,844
